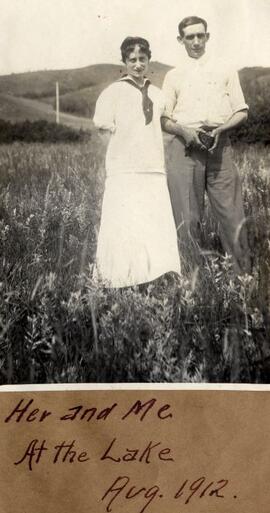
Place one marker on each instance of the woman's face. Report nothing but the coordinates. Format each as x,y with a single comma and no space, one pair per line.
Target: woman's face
137,64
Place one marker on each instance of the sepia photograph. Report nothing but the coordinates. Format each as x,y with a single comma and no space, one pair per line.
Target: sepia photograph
134,191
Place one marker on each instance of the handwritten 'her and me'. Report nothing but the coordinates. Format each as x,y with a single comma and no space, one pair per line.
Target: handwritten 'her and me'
122,488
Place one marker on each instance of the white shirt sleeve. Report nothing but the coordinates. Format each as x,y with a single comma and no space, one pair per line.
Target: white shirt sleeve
104,117
170,95
162,103
235,93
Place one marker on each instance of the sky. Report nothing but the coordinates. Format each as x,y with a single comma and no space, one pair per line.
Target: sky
65,34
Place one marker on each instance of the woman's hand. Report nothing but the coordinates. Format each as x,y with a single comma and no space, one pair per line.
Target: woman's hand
104,136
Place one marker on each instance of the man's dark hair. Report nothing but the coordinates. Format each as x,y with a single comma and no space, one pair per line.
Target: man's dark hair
129,45
190,20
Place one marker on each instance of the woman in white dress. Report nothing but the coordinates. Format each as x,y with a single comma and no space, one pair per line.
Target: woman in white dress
137,241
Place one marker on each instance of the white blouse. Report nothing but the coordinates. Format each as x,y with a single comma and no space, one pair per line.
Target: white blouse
134,147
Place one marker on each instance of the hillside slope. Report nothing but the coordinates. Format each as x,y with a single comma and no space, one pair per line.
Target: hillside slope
32,95
41,84
16,109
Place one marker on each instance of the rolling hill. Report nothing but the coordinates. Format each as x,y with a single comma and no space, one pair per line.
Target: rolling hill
31,95
18,109
41,84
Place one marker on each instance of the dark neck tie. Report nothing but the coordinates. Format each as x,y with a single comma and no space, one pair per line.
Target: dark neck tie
147,103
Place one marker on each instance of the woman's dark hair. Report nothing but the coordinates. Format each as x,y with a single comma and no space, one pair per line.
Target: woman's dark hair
129,45
190,20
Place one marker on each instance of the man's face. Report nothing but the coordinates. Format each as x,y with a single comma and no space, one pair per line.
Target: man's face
194,40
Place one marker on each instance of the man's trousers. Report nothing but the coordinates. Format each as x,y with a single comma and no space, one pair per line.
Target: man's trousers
189,176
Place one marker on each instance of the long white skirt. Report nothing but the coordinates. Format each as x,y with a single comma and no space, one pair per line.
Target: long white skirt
137,240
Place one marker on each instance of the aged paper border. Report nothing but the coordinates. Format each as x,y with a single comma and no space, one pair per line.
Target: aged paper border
229,387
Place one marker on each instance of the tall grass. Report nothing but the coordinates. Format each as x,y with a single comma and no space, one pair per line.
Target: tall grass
57,325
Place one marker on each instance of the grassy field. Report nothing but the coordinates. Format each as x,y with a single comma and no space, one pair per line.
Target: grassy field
57,325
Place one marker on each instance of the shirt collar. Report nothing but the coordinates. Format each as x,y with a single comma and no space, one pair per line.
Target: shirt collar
125,78
204,59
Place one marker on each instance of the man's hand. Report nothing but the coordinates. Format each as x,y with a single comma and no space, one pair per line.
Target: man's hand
189,135
191,138
235,120
216,133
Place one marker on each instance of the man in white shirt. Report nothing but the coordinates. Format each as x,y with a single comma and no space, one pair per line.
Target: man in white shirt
204,101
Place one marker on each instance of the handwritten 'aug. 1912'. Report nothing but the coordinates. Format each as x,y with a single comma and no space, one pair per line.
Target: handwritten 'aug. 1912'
123,487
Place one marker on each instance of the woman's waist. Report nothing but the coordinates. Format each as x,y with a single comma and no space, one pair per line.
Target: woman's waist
111,172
